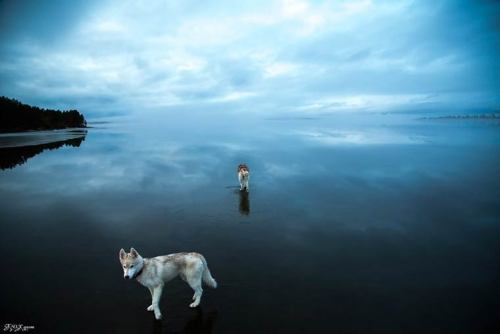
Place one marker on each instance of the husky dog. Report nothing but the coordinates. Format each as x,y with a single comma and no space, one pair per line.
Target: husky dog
243,176
153,273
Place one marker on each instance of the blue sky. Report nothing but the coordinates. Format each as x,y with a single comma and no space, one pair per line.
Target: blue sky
257,56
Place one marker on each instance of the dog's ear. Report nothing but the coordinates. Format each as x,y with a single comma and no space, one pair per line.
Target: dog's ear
133,252
122,254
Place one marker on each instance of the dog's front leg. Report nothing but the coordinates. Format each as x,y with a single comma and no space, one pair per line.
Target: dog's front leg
150,307
156,300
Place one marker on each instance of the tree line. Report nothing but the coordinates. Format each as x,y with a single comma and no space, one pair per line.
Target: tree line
16,116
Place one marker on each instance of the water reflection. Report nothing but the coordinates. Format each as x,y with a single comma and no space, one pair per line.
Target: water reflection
360,137
356,224
198,323
10,157
244,203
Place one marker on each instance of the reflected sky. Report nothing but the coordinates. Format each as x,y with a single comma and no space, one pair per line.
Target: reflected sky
344,221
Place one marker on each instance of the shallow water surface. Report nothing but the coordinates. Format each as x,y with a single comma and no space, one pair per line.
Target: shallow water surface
366,224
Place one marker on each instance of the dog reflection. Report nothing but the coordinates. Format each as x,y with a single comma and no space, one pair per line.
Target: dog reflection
198,323
244,203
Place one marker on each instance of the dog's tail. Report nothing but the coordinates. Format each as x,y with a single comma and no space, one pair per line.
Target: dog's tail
207,276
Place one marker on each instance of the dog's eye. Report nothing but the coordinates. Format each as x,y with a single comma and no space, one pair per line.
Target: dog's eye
124,266
132,266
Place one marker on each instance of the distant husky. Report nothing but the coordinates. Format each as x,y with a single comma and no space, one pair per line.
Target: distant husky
153,273
243,176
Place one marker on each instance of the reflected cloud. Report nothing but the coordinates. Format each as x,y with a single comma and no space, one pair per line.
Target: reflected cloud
369,137
278,170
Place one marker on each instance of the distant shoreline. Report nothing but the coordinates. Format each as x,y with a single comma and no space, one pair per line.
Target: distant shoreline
19,117
489,116
17,154
42,130
41,137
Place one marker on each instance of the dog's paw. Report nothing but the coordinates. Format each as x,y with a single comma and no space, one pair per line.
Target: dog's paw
158,316
194,304
150,308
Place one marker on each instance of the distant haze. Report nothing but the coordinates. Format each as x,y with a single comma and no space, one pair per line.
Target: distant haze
124,56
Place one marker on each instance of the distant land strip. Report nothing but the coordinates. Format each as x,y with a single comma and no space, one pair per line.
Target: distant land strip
486,116
16,116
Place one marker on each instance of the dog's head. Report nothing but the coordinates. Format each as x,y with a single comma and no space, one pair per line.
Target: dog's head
243,169
131,262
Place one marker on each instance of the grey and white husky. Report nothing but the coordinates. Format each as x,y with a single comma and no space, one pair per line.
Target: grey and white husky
153,273
243,176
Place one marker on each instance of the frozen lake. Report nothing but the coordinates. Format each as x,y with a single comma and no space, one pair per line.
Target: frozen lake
379,223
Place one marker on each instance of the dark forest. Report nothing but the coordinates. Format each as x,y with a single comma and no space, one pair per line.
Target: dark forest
16,116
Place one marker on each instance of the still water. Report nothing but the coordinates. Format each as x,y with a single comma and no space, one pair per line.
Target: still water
378,223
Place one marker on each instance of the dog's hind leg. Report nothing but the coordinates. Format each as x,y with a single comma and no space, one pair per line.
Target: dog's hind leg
194,281
198,291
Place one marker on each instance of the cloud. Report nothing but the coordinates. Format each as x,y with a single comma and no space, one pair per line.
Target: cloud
104,56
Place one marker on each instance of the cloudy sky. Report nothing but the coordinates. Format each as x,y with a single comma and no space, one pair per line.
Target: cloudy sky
259,56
